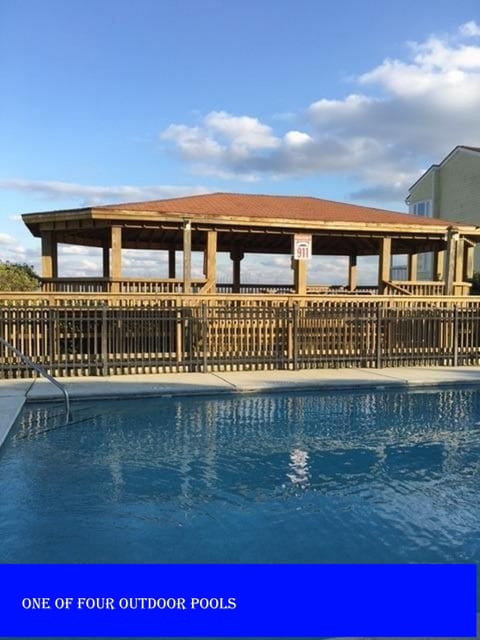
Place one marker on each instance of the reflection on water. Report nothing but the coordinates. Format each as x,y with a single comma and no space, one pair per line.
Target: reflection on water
362,477
299,467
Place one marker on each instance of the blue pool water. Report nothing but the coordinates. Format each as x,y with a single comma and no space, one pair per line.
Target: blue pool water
306,477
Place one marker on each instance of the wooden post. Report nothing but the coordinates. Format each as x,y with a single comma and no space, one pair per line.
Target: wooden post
187,257
49,255
300,268
236,256
459,261
116,265
352,272
106,259
172,270
452,239
210,261
438,264
384,261
468,261
54,256
412,267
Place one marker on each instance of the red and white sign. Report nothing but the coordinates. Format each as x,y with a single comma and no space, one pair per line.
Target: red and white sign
302,246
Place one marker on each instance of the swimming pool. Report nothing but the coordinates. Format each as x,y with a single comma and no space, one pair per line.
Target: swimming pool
377,476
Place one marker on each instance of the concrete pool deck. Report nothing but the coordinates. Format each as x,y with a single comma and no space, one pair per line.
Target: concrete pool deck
14,393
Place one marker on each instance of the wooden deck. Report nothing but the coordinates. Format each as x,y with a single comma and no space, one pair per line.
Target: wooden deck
74,334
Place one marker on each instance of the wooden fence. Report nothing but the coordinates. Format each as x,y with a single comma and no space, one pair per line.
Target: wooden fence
85,335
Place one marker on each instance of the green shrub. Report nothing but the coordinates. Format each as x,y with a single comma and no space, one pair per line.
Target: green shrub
17,277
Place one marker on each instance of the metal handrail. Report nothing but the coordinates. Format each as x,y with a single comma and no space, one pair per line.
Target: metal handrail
36,367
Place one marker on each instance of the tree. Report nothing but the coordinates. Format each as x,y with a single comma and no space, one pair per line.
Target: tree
17,277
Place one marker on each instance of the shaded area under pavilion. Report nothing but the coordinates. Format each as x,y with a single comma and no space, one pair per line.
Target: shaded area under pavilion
238,224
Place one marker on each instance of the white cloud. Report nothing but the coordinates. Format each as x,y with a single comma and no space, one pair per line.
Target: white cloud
469,29
243,132
90,194
322,270
223,145
193,142
74,250
405,114
297,138
88,267
12,250
6,240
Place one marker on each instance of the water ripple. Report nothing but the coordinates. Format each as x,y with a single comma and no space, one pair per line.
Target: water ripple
306,477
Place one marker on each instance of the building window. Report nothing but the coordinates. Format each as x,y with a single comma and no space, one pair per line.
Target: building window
425,260
423,208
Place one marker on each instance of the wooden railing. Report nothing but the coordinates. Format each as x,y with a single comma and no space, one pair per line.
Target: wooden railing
75,285
175,285
124,285
252,289
104,334
416,288
62,299
425,288
312,289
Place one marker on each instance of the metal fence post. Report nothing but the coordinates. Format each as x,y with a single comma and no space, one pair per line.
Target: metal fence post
204,337
379,335
178,337
295,337
104,340
455,336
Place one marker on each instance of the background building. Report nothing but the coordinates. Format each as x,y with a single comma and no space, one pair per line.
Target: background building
449,190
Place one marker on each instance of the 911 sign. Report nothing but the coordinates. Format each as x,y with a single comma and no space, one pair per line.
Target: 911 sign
302,246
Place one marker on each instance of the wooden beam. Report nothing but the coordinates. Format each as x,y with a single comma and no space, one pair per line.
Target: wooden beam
210,261
300,269
415,228
49,255
412,268
384,263
452,239
438,265
172,268
187,257
352,272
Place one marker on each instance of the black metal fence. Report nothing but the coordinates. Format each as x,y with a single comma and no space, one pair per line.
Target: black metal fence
107,340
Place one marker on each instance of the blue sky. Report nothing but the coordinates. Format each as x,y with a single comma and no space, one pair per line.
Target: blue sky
121,100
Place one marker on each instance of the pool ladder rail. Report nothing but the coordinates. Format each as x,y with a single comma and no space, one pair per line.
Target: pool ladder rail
40,370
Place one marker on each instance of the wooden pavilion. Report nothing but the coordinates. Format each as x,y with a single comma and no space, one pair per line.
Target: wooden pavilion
239,224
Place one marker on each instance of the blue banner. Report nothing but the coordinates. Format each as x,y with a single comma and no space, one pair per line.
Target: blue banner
237,600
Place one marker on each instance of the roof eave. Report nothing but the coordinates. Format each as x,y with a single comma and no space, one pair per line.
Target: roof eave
33,221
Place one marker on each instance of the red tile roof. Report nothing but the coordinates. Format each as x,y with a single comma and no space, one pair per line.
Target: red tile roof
275,207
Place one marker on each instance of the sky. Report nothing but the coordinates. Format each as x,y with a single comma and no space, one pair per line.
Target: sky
119,101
